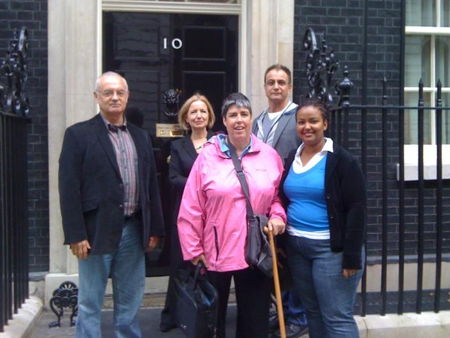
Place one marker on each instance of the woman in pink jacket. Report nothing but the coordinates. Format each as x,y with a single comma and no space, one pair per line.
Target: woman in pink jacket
212,222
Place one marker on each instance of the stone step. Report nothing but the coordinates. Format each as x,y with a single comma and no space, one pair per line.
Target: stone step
151,300
155,300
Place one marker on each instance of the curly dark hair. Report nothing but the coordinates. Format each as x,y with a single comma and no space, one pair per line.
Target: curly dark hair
316,103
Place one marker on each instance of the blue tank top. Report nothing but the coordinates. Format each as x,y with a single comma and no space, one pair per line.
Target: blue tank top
307,210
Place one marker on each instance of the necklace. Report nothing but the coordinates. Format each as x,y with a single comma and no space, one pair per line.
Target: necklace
199,146
198,141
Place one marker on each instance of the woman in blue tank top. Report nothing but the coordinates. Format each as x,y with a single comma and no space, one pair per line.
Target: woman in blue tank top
326,210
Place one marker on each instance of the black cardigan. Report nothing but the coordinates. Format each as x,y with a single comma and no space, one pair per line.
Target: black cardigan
345,195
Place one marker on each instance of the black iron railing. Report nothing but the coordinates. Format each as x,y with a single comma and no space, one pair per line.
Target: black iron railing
13,179
392,187
405,215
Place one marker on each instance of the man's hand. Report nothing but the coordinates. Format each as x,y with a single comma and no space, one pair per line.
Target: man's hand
276,225
80,249
153,242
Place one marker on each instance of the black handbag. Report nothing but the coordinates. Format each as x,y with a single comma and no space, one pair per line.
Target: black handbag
257,247
196,303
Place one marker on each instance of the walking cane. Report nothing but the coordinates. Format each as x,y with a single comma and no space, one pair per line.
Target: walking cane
276,282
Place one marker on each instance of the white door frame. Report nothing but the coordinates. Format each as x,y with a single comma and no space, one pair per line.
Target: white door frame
266,36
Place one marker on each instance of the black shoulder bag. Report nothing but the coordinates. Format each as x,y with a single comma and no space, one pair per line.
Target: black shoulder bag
257,247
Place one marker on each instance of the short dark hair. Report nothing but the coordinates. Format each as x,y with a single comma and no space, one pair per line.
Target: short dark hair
316,103
279,66
237,99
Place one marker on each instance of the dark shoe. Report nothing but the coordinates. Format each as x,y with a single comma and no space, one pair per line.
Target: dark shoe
165,327
273,321
167,323
292,331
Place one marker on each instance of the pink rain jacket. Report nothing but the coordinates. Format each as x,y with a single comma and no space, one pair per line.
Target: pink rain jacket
212,216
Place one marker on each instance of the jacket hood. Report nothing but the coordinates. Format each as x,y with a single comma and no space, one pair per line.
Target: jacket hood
216,142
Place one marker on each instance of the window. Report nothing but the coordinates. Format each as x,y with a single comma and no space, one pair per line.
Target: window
427,57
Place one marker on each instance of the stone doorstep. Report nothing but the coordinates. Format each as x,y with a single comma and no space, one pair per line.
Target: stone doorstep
154,300
411,325
150,300
22,323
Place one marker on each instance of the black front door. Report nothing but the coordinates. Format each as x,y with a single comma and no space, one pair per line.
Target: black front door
156,52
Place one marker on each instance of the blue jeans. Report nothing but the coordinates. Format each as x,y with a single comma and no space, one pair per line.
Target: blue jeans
126,266
328,297
293,309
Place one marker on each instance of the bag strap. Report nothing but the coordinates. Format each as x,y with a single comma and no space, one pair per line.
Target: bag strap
241,177
197,272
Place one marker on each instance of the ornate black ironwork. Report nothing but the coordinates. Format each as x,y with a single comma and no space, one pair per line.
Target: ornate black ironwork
171,98
66,296
14,74
343,89
321,64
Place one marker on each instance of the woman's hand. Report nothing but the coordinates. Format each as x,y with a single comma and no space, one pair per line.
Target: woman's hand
276,225
197,259
349,272
153,242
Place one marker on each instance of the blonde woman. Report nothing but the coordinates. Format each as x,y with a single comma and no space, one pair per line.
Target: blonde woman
196,116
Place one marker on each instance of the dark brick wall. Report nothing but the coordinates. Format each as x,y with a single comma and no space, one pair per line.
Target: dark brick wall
342,21
33,15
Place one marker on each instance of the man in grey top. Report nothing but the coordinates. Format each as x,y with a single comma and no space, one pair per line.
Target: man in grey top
276,126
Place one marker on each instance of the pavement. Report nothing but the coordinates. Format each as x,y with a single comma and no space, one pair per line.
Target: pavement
149,320
411,325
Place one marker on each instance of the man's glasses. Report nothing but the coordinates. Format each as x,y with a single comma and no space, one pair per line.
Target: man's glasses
110,93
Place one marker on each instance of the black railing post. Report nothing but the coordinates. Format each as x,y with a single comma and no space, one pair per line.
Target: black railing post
3,239
421,189
343,89
9,220
13,179
21,214
401,209
437,289
364,169
337,125
15,247
401,165
384,197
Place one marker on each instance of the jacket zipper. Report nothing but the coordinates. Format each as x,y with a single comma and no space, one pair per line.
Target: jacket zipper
216,240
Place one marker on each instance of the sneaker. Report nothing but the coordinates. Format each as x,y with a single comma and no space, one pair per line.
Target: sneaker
292,331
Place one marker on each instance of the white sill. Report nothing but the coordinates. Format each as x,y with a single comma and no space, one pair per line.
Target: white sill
411,170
